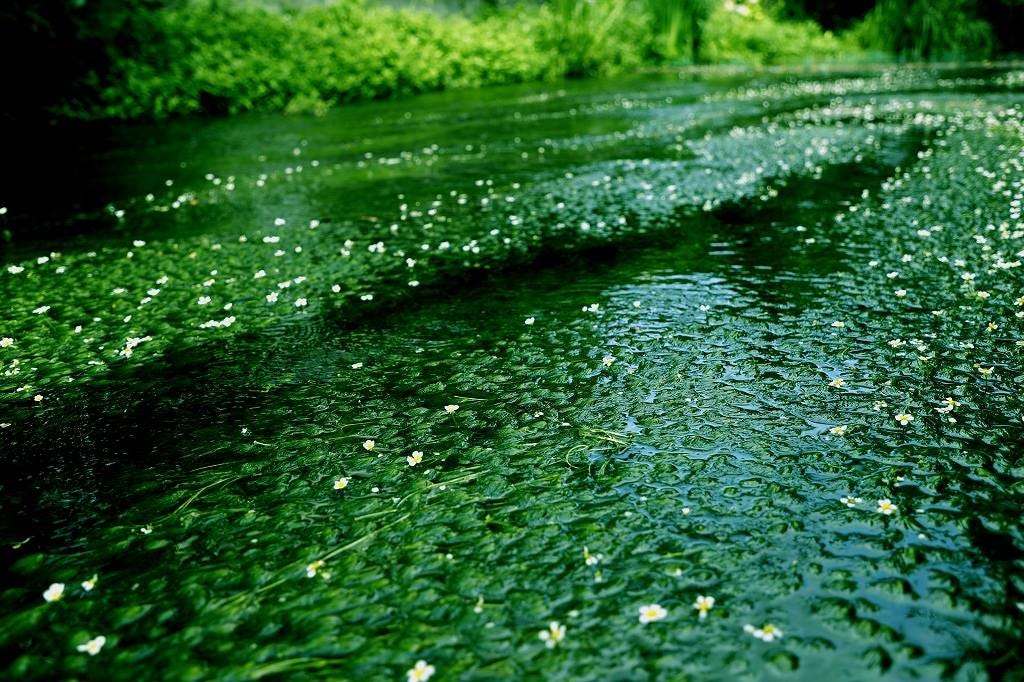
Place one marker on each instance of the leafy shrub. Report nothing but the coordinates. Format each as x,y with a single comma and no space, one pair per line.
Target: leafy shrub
926,29
752,36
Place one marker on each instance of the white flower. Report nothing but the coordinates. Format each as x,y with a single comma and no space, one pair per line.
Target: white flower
369,444
451,409
608,360
357,365
54,592
554,635
203,300
93,646
421,672
850,501
41,309
703,604
300,302
529,321
146,530
651,613
341,483
904,419
886,507
38,398
272,297
765,633
6,342
311,569
87,585
415,458
837,383
838,430
15,269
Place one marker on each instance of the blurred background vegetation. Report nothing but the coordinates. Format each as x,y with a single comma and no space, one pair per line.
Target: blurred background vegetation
136,59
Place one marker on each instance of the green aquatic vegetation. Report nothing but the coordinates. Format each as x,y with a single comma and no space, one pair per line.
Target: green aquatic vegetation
675,453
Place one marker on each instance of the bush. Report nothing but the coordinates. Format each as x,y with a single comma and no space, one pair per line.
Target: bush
926,29
745,33
212,57
219,57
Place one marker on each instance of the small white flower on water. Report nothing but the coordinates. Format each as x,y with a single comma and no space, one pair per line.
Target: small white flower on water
529,321
900,293
146,530
369,444
886,507
652,613
311,569
341,483
591,559
850,501
554,635
336,288
15,269
54,592
838,430
300,302
41,309
272,297
415,458
203,300
38,398
837,383
765,633
89,584
838,324
421,672
451,409
703,604
6,342
904,419
357,365
608,360
93,646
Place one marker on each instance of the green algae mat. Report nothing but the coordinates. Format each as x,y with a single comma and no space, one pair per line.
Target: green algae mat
657,379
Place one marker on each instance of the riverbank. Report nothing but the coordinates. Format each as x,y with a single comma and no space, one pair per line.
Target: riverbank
215,58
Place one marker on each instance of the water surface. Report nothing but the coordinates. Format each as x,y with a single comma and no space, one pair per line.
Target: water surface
755,338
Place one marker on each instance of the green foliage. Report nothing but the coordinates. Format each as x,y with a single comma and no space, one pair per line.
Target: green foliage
204,56
677,26
755,37
594,38
926,29
221,58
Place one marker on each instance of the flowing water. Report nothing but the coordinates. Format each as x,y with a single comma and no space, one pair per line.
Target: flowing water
296,398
